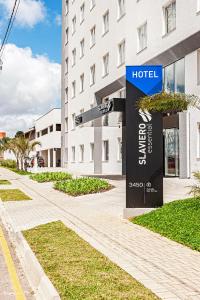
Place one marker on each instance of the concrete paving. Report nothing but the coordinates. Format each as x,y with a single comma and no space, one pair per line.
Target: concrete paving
170,270
7,291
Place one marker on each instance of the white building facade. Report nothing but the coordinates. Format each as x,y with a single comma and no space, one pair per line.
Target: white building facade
48,132
99,39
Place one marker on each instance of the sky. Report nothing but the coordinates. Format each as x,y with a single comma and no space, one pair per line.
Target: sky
30,80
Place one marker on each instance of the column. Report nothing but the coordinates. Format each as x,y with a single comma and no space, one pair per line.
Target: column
49,158
54,158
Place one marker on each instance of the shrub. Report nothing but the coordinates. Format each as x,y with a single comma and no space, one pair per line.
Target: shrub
195,190
82,186
8,163
51,176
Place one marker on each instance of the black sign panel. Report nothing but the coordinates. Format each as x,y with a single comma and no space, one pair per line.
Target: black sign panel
144,140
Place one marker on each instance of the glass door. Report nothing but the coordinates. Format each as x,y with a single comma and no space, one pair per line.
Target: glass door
171,152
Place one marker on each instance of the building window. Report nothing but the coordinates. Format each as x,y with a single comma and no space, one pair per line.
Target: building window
73,121
92,4
170,17
92,36
82,48
66,6
92,75
121,53
73,154
82,13
142,37
74,25
51,128
91,151
66,95
73,57
66,65
73,89
105,150
44,131
38,134
105,64
119,149
58,127
198,5
81,83
174,77
179,67
66,124
121,8
81,153
106,22
66,36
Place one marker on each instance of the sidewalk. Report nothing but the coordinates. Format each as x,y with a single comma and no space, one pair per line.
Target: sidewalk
13,284
170,270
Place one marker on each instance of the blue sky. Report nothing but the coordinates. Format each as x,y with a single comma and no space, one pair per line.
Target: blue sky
30,82
44,37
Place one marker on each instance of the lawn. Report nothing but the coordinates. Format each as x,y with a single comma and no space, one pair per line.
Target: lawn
13,195
50,176
82,186
178,220
20,172
77,270
4,182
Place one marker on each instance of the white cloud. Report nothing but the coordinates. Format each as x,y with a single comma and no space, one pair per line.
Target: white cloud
29,14
58,20
29,87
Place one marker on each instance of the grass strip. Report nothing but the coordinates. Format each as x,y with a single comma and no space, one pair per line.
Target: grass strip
178,221
50,176
13,195
4,182
83,186
20,172
77,270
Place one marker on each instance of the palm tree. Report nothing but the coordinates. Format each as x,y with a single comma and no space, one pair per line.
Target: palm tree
21,147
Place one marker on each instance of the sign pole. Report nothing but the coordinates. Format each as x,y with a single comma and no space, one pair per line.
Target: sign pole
144,142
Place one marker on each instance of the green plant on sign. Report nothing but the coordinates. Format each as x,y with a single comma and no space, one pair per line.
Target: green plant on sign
168,102
51,176
82,186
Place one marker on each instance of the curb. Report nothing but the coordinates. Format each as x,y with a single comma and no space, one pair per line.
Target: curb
39,282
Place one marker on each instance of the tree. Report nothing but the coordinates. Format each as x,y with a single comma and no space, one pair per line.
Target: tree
19,133
168,102
21,147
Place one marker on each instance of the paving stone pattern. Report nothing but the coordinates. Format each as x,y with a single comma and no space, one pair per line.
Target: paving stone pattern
170,270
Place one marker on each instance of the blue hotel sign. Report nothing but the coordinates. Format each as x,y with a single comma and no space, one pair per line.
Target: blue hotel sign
144,140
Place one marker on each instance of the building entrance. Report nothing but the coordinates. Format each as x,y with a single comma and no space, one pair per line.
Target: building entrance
171,152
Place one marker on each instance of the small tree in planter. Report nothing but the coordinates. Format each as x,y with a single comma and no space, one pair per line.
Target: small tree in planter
168,102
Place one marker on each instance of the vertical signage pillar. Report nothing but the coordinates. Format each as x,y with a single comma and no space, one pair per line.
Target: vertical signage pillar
144,140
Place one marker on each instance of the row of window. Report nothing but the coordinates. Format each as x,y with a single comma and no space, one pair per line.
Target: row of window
105,152
169,15
92,80
121,12
48,130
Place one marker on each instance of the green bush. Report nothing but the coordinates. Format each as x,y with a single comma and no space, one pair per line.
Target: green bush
8,163
51,176
195,189
82,186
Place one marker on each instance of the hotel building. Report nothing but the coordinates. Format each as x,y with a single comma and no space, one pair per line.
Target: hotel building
99,39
